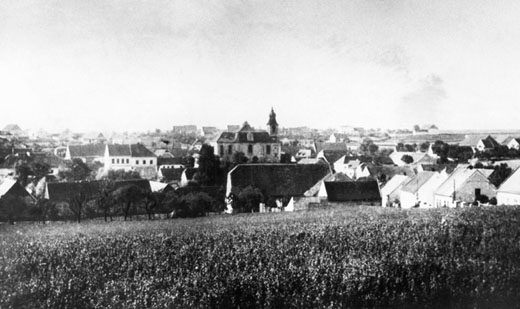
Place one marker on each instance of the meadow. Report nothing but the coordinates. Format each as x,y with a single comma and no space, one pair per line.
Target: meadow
336,257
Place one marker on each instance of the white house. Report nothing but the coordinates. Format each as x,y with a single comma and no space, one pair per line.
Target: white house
389,192
463,187
132,157
514,143
509,191
410,193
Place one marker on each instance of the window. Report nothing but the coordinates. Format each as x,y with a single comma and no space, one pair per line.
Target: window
113,160
249,149
268,149
151,162
127,161
117,161
250,136
477,193
144,162
230,149
136,162
221,150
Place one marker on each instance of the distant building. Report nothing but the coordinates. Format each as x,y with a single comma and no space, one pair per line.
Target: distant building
425,129
133,157
253,143
185,130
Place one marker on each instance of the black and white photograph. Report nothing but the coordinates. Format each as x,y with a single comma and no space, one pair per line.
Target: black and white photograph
259,154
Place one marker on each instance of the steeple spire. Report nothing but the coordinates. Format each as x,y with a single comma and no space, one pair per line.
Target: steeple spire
272,125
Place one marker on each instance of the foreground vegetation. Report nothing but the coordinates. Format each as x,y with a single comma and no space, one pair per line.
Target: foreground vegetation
369,257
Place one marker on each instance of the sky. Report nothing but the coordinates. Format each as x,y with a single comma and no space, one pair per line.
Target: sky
138,65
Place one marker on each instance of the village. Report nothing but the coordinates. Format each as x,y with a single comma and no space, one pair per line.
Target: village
244,169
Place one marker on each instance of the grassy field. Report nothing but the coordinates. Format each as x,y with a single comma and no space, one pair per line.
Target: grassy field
351,257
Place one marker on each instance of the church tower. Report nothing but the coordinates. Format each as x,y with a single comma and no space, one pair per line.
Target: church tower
272,125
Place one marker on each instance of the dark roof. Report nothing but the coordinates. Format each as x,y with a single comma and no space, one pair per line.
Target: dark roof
90,150
47,158
190,172
389,170
139,150
277,179
353,191
333,156
246,137
439,167
172,174
131,150
169,161
63,191
490,142
335,147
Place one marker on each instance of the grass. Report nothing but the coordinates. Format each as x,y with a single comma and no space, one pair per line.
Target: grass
338,257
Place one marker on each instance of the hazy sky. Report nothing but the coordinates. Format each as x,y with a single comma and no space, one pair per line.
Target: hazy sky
140,65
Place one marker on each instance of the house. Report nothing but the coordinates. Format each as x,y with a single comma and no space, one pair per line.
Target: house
253,143
486,144
161,187
464,186
390,191
354,192
13,129
303,154
319,190
425,129
187,176
514,143
332,152
131,157
412,193
185,130
509,191
170,175
417,157
93,138
87,153
281,182
13,188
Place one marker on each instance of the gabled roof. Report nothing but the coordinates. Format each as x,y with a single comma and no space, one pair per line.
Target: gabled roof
172,174
459,176
12,127
277,179
512,183
394,183
89,150
471,140
246,135
341,147
439,167
190,172
417,157
130,150
414,184
315,189
490,142
156,186
353,191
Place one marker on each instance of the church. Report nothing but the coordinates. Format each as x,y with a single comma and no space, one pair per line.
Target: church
259,144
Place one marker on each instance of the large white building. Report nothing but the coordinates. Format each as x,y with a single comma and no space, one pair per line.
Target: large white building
263,145
132,157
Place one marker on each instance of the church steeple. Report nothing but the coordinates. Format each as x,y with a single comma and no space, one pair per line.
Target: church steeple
272,125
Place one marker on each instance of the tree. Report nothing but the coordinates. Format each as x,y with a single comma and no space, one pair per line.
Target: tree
105,198
193,204
248,200
76,170
208,171
441,149
128,197
239,158
372,148
424,147
500,174
152,201
407,159
115,175
77,204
